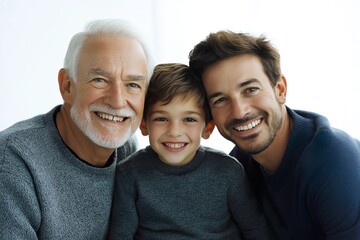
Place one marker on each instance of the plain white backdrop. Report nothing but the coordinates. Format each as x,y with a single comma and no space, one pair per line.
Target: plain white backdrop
319,41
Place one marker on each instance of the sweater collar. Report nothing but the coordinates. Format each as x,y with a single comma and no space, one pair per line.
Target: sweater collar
50,120
301,135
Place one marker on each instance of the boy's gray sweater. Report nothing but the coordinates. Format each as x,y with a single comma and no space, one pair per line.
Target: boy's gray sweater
207,198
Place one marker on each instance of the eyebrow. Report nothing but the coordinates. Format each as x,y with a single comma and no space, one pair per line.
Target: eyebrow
130,77
241,85
248,82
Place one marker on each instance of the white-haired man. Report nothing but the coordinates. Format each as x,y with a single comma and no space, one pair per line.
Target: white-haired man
57,169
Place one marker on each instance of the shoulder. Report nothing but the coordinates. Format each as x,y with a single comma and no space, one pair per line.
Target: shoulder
219,155
25,127
127,149
28,144
326,140
30,133
137,162
222,160
137,157
335,155
334,143
330,157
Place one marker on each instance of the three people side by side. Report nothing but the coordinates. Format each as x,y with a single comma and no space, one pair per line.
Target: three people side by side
57,169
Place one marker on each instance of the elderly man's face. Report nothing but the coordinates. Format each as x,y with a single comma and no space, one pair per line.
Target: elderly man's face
108,96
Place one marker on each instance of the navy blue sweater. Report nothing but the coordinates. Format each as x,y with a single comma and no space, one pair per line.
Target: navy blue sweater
315,192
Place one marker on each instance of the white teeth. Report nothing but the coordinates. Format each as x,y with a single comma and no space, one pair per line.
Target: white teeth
110,117
175,145
248,126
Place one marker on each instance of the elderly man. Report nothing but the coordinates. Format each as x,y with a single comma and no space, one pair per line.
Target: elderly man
57,169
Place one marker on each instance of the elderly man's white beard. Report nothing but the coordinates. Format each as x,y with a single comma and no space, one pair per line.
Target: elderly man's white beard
83,121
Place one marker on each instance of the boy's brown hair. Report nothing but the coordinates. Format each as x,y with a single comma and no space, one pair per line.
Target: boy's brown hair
172,80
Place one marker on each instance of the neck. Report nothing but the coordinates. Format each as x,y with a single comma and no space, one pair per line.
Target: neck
270,159
75,139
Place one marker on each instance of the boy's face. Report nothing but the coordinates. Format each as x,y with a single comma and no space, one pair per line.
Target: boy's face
175,130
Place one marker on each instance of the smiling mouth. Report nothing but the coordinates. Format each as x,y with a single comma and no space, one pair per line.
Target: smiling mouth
248,126
110,117
175,145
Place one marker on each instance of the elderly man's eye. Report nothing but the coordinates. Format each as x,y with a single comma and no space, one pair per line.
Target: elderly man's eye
100,82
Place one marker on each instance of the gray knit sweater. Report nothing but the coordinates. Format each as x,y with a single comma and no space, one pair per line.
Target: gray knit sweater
208,198
46,192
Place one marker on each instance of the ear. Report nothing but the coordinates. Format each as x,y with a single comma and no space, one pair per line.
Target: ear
143,128
280,90
64,82
209,128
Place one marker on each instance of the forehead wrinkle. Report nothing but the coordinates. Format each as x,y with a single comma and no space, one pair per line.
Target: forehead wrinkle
133,77
99,71
240,85
130,77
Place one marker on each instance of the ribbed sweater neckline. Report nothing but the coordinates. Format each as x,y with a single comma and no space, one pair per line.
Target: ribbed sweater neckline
301,135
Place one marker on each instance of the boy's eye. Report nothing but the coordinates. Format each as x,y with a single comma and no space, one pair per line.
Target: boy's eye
100,82
160,119
190,119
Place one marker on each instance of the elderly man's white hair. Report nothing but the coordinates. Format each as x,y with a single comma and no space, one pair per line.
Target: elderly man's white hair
116,27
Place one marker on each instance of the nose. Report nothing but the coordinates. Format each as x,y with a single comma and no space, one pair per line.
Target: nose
116,96
240,108
174,129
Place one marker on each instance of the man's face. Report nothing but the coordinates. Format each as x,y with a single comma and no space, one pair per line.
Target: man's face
245,107
109,90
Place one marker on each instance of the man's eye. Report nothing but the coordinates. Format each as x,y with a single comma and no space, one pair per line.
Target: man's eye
134,85
251,91
218,101
100,82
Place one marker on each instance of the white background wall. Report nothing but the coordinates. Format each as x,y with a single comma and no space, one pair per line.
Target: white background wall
318,41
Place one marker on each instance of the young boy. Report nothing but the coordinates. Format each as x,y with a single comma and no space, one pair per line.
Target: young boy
175,188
